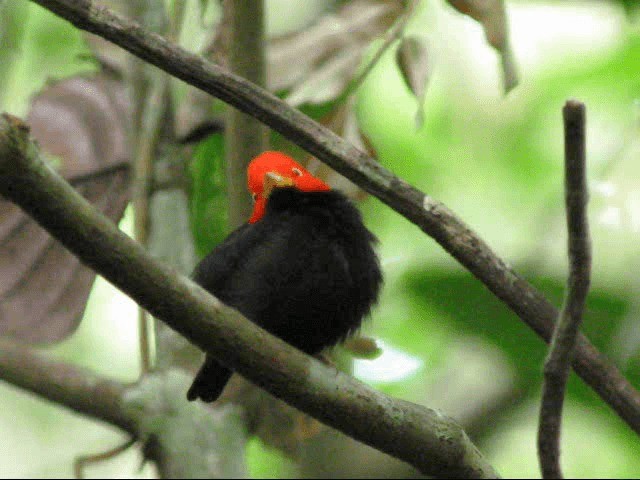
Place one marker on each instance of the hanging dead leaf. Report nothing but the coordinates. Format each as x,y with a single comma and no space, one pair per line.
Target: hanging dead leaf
82,124
315,64
491,14
412,58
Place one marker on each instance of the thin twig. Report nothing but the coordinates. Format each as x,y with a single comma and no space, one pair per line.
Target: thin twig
82,461
558,362
433,217
122,166
151,125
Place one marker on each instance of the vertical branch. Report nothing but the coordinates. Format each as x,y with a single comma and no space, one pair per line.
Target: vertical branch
149,100
149,135
163,222
245,137
558,362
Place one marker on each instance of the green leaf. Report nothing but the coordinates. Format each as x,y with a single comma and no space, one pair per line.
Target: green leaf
208,198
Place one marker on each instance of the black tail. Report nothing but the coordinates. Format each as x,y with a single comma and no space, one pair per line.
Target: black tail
209,382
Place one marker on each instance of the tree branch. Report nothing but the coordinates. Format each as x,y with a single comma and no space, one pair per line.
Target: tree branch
558,362
80,390
244,136
428,214
432,443
153,411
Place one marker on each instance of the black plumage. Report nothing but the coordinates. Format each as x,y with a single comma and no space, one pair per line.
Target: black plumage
306,272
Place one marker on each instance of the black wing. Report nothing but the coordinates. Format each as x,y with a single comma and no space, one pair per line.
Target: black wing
214,270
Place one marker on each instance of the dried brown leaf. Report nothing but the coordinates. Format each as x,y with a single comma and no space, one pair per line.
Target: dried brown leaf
316,64
491,14
82,124
412,58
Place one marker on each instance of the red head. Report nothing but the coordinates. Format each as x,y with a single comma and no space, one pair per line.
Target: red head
271,170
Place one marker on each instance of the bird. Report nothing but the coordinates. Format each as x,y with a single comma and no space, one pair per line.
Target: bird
303,267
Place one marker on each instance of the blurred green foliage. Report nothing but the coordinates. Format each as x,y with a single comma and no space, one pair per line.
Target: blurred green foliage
208,198
36,48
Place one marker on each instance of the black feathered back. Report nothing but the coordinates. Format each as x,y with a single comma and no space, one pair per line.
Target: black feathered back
306,272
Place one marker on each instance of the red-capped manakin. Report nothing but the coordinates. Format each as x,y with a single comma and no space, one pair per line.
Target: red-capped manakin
303,267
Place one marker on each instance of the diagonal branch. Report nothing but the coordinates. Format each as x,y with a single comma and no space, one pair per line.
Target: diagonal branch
558,363
426,439
80,390
152,411
428,214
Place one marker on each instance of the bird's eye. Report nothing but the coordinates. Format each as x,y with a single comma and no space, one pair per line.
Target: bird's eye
297,171
254,197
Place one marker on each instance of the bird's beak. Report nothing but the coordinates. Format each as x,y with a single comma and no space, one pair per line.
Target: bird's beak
273,180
